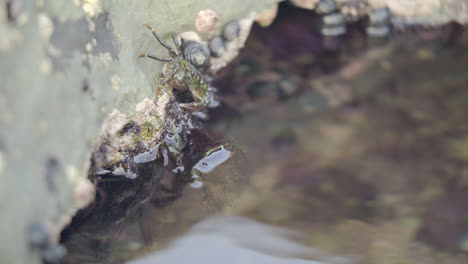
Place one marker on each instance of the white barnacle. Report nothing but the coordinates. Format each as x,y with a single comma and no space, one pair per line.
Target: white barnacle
206,21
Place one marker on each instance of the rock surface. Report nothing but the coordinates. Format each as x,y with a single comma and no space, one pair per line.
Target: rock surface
65,66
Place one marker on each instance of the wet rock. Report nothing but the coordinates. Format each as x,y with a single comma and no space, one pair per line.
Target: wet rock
206,21
44,111
212,159
38,235
444,224
47,49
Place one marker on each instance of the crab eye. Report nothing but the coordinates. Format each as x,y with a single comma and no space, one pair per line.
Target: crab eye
195,53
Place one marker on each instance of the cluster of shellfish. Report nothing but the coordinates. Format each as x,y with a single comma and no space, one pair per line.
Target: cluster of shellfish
335,16
200,54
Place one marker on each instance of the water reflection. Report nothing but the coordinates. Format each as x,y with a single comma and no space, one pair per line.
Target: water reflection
237,240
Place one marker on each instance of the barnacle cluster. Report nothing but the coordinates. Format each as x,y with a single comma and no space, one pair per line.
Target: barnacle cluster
217,44
334,17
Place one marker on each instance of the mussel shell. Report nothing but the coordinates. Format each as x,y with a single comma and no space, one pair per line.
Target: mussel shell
231,30
334,19
216,46
333,31
379,23
326,6
195,53
53,254
379,31
380,16
38,235
354,10
333,25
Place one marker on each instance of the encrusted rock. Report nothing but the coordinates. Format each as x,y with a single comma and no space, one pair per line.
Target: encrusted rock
265,18
206,21
124,136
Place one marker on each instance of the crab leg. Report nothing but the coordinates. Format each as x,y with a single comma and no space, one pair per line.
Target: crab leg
154,57
159,39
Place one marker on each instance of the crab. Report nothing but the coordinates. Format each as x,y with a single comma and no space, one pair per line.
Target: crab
182,70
